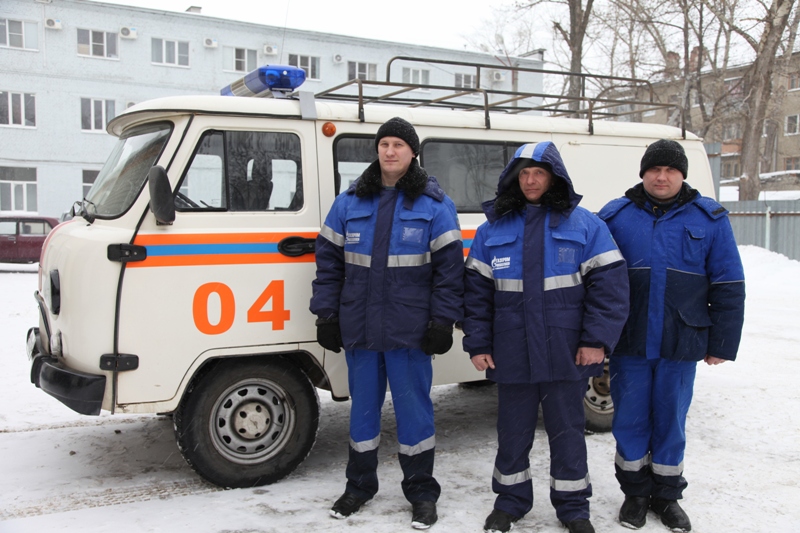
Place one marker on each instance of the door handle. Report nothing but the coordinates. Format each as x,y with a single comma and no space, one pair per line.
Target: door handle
296,246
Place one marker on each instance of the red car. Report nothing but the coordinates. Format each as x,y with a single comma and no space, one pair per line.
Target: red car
22,237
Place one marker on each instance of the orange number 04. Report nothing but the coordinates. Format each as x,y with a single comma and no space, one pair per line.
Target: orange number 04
278,314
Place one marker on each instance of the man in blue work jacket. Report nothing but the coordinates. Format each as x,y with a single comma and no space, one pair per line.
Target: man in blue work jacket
389,289
546,295
687,305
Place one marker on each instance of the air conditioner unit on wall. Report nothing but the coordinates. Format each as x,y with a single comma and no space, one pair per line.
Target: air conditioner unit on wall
498,76
127,32
270,50
337,58
52,24
209,42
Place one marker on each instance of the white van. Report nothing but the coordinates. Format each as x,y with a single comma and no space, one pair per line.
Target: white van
182,283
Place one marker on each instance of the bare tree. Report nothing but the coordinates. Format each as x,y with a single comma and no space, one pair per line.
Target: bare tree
774,23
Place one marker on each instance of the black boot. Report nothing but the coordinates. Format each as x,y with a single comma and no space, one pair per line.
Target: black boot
423,514
581,525
499,522
671,514
633,513
347,504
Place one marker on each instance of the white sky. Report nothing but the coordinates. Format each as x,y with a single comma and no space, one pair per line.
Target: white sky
440,23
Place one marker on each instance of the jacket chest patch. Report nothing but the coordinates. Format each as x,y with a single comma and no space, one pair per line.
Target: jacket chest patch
566,255
500,263
415,235
352,238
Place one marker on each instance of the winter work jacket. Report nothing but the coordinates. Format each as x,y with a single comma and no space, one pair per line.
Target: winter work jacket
542,280
389,261
686,277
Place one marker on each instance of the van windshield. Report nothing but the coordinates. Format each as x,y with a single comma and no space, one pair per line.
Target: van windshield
125,171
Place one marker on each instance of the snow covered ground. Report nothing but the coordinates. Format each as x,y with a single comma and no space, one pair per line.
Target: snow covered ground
60,471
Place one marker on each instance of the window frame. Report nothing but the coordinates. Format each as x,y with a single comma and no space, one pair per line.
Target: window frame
793,162
12,182
311,67
354,70
29,34
796,121
163,52
423,76
460,82
231,59
93,107
109,37
26,101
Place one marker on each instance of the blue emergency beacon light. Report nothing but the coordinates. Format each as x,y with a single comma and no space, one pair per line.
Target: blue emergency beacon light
270,80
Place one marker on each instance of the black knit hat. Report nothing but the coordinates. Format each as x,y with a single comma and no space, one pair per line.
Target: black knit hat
664,153
397,127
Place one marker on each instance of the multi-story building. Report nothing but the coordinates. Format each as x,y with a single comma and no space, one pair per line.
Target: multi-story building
722,115
69,66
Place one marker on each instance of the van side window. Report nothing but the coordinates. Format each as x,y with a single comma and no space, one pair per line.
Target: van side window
243,171
467,171
352,155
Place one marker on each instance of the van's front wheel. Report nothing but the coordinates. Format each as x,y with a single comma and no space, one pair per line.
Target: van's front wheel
248,422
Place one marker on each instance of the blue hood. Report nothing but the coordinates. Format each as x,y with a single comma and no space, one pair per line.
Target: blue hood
543,152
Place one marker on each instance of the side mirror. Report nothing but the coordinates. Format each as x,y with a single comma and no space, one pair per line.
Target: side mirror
162,204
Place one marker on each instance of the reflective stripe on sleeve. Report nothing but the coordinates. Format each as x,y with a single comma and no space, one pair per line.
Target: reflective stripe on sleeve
512,479
365,445
335,238
631,466
480,267
423,446
570,485
606,258
444,239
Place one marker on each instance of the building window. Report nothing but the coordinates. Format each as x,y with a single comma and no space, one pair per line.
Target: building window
165,52
730,170
19,34
466,81
18,189
17,109
416,76
89,177
240,59
794,81
308,63
735,87
97,43
362,71
792,125
791,163
95,114
730,131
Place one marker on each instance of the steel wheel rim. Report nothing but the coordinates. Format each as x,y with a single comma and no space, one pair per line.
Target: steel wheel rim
252,421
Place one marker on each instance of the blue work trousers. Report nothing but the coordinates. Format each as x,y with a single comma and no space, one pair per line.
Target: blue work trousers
564,421
651,400
409,373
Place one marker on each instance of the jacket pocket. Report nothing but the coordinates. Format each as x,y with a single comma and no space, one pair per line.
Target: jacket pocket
694,245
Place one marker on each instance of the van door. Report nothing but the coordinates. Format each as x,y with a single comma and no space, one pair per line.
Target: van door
231,275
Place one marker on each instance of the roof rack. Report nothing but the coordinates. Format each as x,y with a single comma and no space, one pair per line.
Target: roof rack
496,100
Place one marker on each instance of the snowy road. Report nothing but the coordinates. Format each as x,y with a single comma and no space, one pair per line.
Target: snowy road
60,471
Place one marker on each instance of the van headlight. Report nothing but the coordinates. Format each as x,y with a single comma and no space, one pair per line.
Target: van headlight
55,344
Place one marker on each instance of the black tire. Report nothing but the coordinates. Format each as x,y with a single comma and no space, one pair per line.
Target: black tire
597,404
247,422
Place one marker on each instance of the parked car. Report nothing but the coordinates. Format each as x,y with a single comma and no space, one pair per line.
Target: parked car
22,236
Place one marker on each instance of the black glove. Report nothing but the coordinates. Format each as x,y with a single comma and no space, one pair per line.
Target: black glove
438,338
329,336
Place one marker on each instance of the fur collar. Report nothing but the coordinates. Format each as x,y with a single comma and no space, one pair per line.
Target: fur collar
412,184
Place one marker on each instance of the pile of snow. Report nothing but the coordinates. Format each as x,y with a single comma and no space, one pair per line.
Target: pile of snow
65,472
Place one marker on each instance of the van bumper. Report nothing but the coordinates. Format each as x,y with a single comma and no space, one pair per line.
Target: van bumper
81,392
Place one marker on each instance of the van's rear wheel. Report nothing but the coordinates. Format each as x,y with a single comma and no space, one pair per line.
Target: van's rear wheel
597,404
248,422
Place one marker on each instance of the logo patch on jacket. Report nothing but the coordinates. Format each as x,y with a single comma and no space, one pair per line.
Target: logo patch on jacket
413,234
499,263
352,238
